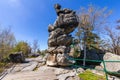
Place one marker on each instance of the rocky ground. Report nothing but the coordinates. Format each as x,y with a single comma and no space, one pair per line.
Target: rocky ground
35,69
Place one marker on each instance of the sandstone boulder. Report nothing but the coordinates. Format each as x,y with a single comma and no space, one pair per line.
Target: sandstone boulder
112,66
52,42
63,60
17,57
64,40
51,60
50,28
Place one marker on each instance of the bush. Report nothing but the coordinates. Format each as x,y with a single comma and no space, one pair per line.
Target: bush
22,46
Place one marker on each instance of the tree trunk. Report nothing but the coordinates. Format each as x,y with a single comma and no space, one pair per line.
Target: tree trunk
84,60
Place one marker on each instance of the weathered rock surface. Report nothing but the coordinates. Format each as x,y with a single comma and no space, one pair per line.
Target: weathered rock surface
51,60
18,67
111,66
31,67
37,59
45,72
63,73
31,75
64,76
17,57
62,60
73,78
59,40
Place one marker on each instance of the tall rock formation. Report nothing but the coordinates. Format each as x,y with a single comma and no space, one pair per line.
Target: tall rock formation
59,40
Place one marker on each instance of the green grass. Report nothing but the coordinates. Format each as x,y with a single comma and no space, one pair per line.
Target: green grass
88,75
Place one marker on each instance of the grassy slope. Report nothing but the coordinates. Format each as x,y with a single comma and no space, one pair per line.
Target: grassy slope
88,75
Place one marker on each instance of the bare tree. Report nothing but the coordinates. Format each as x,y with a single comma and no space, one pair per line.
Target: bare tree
118,26
35,45
115,40
90,19
7,42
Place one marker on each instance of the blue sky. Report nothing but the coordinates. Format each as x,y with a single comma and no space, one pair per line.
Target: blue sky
29,19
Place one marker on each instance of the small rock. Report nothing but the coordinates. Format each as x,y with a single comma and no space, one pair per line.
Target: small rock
73,78
65,76
80,70
59,71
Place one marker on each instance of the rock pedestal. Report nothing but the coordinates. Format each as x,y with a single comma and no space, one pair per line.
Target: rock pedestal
59,40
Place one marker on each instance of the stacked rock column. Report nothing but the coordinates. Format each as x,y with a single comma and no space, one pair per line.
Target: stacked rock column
59,40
